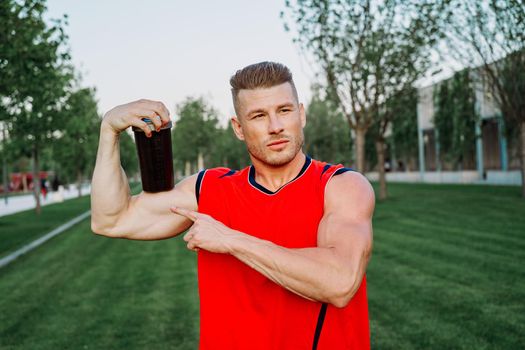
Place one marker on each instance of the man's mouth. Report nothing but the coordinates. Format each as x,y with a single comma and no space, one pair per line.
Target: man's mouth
277,142
278,145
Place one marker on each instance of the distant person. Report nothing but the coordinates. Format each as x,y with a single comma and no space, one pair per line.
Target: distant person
43,188
54,184
282,245
58,190
387,165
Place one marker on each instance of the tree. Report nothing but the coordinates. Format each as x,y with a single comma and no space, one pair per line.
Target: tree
489,36
369,52
195,132
128,154
228,150
455,118
75,149
399,143
326,134
35,78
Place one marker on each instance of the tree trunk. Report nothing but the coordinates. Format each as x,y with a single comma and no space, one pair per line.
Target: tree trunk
79,183
6,183
522,156
36,180
24,183
200,162
187,169
359,143
380,149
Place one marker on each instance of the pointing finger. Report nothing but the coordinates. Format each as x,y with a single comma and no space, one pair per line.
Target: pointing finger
185,212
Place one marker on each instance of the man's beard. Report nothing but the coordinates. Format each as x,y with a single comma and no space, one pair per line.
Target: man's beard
262,153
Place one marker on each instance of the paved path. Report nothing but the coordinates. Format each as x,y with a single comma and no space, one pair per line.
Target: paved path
27,201
38,242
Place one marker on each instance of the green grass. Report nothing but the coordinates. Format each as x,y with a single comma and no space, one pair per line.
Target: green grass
82,291
447,268
446,273
21,228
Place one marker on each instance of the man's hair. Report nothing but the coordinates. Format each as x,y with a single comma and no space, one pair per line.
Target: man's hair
259,76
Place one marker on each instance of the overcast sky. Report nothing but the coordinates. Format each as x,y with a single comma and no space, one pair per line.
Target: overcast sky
168,50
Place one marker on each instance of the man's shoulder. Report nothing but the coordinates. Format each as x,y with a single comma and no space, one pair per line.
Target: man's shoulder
328,170
349,187
220,173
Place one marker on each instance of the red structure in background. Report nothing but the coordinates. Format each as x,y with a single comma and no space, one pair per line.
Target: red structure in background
24,181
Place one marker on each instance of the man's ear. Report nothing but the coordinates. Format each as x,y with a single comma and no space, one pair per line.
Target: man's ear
303,114
237,128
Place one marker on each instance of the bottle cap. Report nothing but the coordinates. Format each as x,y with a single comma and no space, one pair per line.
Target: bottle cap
152,126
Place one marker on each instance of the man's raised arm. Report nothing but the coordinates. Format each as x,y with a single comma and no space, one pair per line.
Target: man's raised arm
114,212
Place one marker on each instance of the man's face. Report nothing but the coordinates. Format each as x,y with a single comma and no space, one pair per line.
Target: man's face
271,122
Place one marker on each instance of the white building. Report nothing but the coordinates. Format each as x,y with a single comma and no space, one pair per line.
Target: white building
494,162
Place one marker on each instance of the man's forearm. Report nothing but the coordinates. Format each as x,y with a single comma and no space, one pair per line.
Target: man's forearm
110,193
317,273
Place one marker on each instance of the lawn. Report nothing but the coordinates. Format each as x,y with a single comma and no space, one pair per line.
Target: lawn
446,273
18,229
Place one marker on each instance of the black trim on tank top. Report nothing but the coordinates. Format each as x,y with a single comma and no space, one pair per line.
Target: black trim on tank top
198,183
342,170
229,173
325,168
251,177
319,326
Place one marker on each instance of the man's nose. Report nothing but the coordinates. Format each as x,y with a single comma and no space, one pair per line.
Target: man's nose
276,126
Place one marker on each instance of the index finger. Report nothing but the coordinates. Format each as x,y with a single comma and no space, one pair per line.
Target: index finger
185,212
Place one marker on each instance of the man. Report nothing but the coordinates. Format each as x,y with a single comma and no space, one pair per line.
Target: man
282,245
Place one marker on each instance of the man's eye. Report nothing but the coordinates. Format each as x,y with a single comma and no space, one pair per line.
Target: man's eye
285,110
258,116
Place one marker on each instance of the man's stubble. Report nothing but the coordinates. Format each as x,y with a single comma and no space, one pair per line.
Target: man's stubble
262,153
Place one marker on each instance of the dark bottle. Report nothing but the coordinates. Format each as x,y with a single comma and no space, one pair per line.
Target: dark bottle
155,157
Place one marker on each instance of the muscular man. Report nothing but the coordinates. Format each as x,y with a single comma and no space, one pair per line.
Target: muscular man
282,245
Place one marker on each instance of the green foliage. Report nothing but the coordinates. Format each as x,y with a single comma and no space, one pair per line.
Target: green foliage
228,151
35,73
402,142
74,152
327,136
34,78
512,72
195,131
370,147
128,154
404,138
368,51
455,117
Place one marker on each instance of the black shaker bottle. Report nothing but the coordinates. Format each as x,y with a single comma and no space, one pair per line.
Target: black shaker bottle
155,158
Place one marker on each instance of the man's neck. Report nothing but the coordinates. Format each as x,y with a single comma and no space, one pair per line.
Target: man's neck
274,177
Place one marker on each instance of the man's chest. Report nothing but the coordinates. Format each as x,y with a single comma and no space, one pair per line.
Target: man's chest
289,219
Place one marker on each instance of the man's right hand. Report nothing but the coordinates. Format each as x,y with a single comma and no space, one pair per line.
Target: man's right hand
121,117
114,212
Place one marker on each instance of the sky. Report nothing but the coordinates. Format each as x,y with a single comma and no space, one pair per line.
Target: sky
169,50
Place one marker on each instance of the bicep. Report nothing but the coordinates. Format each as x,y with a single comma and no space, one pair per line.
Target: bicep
149,217
346,226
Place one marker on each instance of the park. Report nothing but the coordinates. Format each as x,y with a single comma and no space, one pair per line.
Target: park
441,276
443,146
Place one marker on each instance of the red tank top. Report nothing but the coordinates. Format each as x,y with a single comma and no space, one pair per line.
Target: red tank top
242,309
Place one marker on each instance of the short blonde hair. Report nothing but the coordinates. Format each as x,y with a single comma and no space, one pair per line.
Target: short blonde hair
260,75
